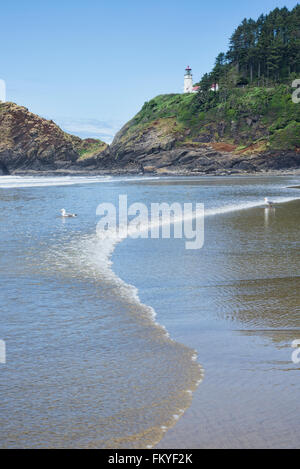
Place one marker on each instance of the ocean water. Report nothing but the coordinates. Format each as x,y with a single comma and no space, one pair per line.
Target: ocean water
139,342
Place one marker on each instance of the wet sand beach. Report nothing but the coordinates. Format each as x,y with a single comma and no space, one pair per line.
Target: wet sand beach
144,343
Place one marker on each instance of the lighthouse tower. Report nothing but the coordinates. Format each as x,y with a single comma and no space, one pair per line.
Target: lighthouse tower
188,80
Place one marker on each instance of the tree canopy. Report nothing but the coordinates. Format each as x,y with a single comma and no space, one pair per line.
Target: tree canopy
262,52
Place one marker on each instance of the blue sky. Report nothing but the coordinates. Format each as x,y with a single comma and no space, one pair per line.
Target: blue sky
90,65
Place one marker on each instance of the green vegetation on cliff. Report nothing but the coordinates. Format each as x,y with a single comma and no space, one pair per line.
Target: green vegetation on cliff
253,109
88,148
247,116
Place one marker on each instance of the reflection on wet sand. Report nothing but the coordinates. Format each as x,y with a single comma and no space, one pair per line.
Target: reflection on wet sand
269,211
252,385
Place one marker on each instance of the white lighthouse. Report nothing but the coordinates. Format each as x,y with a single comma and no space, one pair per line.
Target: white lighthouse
188,80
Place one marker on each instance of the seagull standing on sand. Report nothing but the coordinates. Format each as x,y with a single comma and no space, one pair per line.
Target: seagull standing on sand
269,203
64,214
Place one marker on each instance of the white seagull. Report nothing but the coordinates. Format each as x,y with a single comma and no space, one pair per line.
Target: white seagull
64,214
269,203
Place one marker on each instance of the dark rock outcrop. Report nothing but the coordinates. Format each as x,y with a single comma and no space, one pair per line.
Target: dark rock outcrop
29,142
159,149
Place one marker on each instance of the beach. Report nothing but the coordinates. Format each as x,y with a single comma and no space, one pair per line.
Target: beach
143,343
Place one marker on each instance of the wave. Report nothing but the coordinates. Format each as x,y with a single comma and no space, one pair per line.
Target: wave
12,182
91,255
19,182
247,205
94,255
97,249
116,235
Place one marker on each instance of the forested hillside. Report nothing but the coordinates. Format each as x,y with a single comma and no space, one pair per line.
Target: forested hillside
251,114
263,52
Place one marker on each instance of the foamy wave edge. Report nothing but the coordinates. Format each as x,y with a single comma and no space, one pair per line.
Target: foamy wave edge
111,240
98,251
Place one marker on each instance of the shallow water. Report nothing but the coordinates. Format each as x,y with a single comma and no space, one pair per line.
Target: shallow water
101,349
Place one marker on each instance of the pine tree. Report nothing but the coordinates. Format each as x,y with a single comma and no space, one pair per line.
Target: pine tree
266,50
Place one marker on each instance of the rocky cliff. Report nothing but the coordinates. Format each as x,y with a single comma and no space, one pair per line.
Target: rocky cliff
251,130
254,130
29,142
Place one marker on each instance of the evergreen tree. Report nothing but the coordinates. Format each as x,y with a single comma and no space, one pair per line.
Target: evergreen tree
262,51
